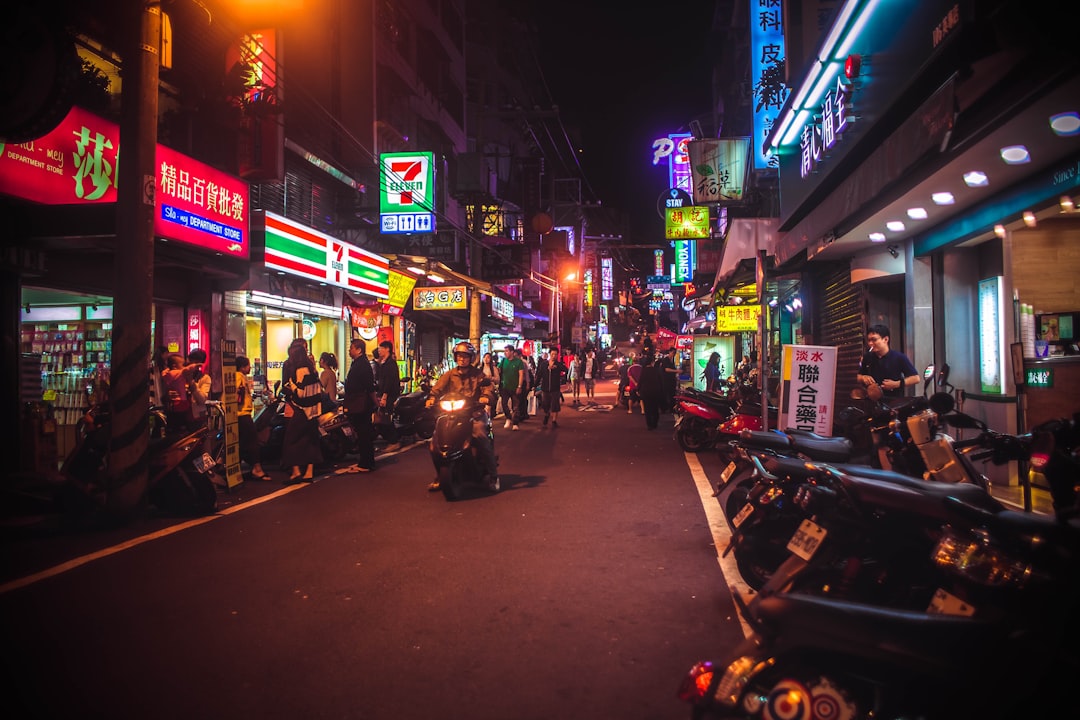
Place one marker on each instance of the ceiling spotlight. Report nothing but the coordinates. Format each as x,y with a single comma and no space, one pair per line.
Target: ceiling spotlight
999,230
894,251
943,198
916,213
1029,218
877,237
435,278
416,271
895,225
1015,155
976,178
1066,123
1066,203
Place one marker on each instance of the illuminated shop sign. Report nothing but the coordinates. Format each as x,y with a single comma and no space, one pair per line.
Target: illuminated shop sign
399,290
298,250
658,263
687,223
737,318
607,280
502,309
451,297
673,147
719,169
77,163
407,192
832,120
684,261
767,56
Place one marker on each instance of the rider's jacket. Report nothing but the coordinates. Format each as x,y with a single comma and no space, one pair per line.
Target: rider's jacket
466,382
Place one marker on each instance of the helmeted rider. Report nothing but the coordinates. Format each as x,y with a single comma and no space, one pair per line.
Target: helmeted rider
465,379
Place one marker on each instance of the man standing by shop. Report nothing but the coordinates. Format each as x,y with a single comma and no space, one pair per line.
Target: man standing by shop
359,404
388,387
669,377
512,385
889,370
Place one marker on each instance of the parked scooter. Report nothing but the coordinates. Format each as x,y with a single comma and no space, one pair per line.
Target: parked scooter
457,459
180,470
1002,644
410,413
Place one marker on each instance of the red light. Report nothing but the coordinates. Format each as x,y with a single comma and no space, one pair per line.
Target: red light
852,66
1039,460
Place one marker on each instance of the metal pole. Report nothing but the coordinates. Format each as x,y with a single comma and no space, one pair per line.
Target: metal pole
129,394
759,278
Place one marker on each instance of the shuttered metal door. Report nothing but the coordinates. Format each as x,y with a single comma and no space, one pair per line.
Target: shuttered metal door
843,325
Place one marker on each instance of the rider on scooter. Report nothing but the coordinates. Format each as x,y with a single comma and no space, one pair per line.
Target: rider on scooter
466,379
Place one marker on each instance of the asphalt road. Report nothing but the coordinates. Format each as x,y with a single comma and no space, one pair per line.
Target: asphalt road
586,588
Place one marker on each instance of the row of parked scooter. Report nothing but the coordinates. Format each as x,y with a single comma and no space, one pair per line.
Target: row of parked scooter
904,590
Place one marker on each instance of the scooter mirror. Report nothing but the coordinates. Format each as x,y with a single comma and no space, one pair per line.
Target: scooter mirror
942,403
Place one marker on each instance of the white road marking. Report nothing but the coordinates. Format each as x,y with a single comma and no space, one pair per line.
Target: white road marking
721,535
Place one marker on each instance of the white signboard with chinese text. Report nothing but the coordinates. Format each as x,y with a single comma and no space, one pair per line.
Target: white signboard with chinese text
807,387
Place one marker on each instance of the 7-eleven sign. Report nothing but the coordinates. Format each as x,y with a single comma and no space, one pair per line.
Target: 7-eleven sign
299,250
407,192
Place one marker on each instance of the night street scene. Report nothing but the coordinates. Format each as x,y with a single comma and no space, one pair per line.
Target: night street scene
524,360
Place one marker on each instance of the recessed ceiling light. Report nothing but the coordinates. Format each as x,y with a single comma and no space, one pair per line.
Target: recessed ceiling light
1066,123
943,198
917,213
975,178
877,237
1066,203
1015,155
1029,218
895,225
999,230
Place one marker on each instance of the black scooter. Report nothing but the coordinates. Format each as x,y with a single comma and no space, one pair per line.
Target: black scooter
411,415
180,478
458,462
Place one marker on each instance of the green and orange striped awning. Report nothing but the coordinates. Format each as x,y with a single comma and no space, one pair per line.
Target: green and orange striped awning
298,250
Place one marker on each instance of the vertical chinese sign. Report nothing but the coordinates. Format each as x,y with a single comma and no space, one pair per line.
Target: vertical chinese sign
807,385
767,56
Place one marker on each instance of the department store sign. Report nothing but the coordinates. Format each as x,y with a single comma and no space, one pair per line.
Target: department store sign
77,164
451,297
299,250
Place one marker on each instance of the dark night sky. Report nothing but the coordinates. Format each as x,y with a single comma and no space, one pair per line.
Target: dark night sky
624,74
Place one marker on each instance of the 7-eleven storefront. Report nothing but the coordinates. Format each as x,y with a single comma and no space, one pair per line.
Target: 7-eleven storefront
301,281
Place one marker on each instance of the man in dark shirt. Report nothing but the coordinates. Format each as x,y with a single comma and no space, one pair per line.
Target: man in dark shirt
359,404
887,369
669,378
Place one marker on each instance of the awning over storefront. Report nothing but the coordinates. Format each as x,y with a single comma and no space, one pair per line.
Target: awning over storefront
746,239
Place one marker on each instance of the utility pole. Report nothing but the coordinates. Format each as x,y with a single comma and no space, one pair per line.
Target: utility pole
134,264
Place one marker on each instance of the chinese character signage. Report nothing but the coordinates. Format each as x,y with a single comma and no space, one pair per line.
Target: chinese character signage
687,223
407,192
298,250
807,385
451,297
607,280
831,121
399,289
737,318
502,309
766,72
77,162
719,169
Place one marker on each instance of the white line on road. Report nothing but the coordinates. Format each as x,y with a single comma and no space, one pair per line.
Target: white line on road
721,534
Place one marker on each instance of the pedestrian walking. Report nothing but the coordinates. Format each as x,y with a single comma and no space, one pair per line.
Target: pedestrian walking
669,374
590,373
301,449
651,391
575,377
550,375
512,386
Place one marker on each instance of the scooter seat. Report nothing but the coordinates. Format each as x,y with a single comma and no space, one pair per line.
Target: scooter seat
821,447
893,491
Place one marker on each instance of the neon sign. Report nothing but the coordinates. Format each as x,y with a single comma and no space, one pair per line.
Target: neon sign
822,135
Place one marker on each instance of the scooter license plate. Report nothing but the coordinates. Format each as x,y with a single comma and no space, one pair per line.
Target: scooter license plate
807,539
945,603
204,463
740,517
728,472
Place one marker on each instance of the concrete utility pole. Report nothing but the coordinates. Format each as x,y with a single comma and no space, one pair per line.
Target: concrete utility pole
134,264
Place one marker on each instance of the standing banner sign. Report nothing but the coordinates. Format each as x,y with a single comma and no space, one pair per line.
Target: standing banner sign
807,385
233,476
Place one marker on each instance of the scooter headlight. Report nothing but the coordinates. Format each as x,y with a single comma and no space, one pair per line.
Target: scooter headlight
452,405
